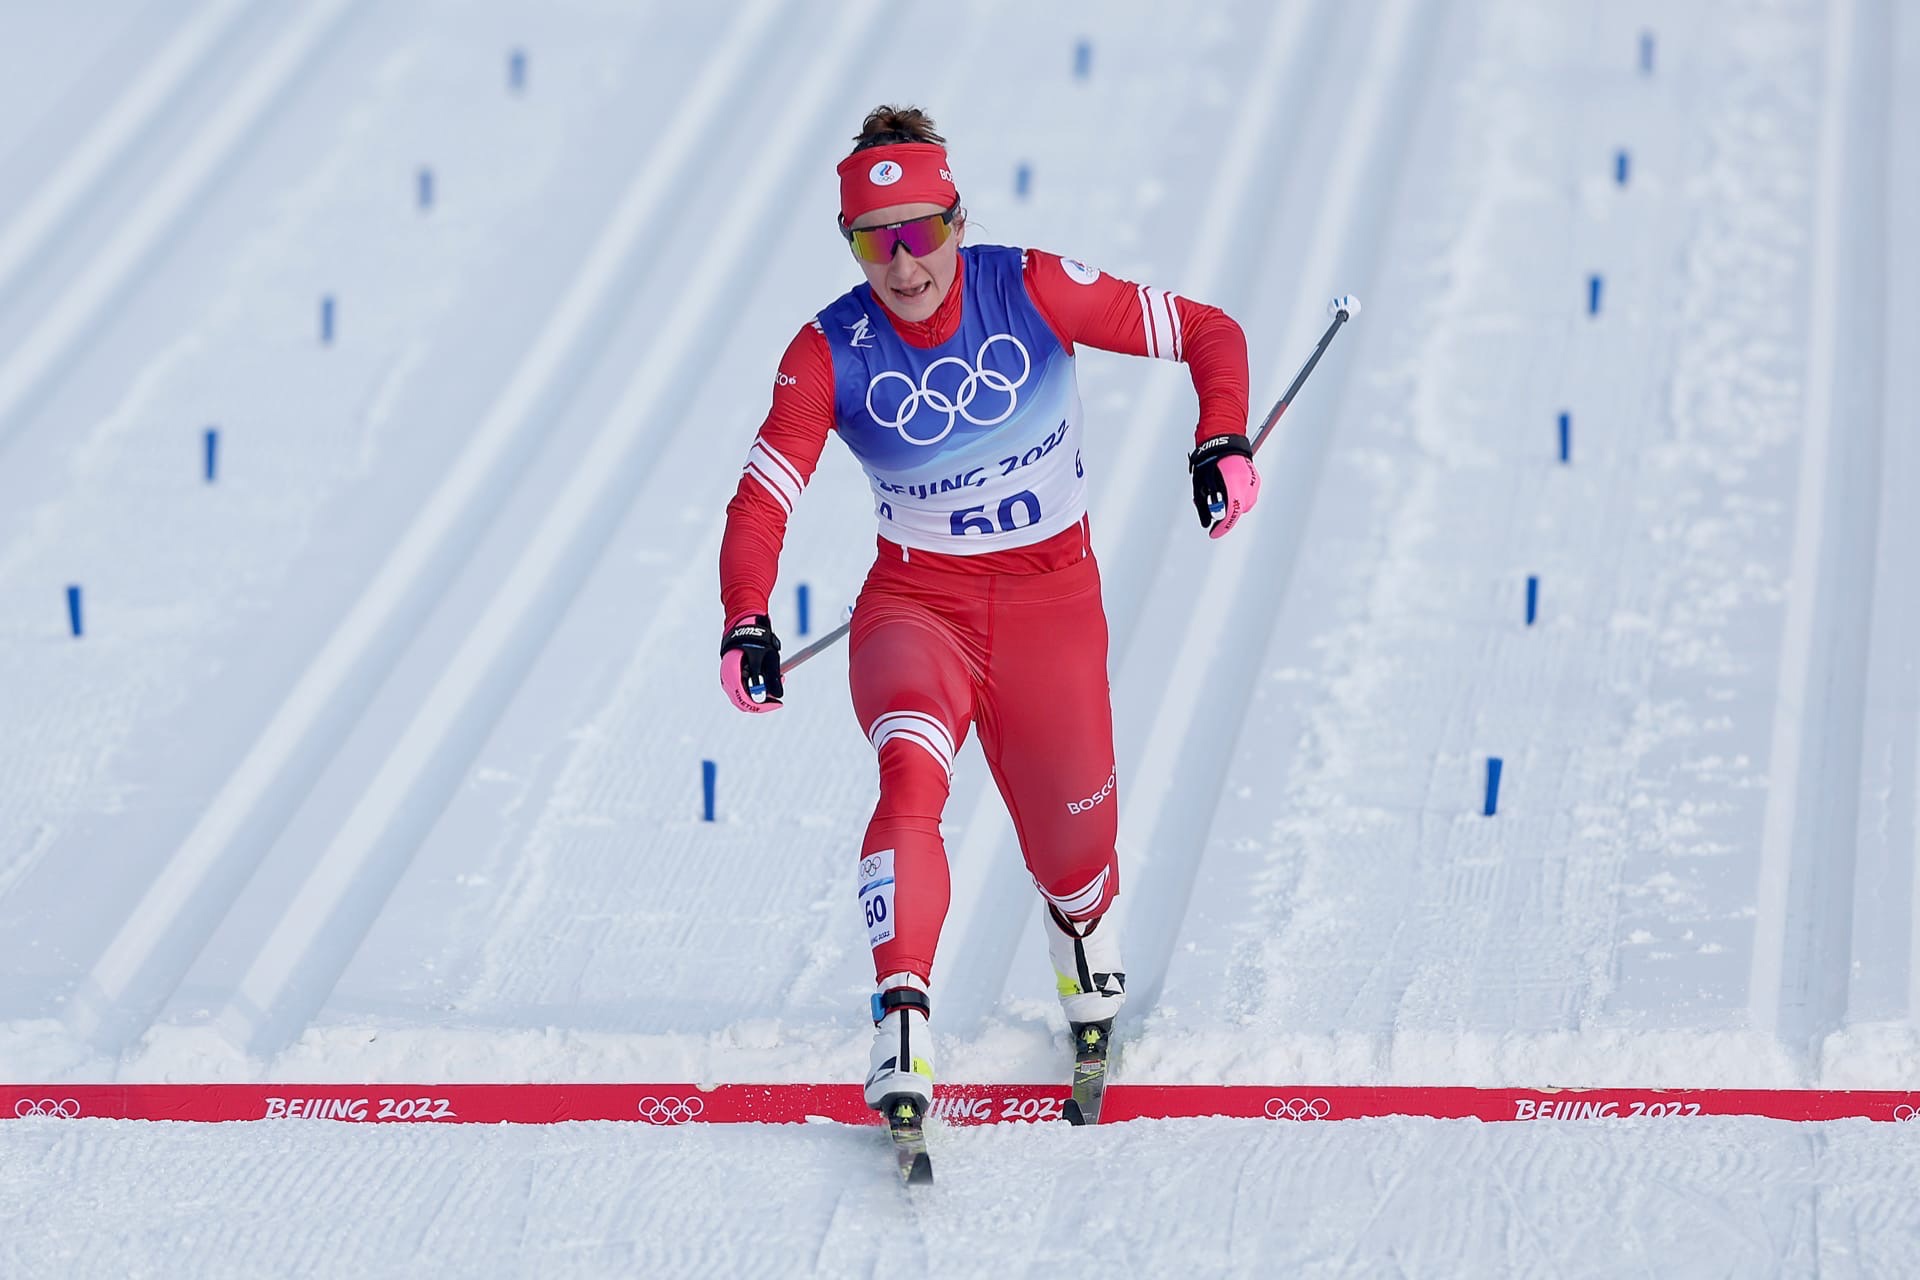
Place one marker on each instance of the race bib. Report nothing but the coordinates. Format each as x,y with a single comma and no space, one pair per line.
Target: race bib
876,895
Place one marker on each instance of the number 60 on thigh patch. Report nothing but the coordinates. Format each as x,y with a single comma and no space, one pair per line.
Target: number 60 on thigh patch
876,895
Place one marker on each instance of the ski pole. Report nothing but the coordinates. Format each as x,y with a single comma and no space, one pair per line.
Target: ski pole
1342,309
816,646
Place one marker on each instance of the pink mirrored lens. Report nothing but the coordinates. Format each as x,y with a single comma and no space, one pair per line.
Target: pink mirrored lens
923,235
920,237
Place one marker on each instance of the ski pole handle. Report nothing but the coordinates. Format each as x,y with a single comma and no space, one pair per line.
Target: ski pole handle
1342,309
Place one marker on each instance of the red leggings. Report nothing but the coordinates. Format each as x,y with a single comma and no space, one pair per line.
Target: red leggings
1023,656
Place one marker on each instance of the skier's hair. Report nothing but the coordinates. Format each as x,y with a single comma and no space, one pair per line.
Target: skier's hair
887,124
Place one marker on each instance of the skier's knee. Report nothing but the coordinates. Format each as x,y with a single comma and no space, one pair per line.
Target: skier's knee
913,782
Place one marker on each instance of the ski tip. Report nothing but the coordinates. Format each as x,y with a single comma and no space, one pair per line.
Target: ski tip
1072,1113
920,1172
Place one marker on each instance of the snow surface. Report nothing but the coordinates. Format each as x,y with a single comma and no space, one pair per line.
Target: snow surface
380,757
1732,1197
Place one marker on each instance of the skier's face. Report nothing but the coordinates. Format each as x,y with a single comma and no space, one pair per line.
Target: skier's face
912,288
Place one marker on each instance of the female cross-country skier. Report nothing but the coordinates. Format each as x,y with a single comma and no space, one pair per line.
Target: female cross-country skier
950,374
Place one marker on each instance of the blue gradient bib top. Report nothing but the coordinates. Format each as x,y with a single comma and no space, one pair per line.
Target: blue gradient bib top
973,445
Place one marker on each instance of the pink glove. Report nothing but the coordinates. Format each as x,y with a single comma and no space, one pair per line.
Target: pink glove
1243,490
1225,485
750,658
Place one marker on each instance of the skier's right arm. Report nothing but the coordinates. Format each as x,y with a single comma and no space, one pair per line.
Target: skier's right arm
781,461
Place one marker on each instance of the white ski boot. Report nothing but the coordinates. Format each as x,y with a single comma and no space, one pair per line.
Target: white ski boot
1086,967
901,1067
1092,986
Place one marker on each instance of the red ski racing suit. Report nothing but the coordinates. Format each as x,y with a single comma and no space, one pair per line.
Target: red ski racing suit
982,609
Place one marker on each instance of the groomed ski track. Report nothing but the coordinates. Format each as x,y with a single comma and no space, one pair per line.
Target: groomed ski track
1367,1198
380,758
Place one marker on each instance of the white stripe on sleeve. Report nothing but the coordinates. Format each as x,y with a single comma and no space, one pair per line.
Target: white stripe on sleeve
1173,313
1163,323
1146,320
775,473
753,469
780,460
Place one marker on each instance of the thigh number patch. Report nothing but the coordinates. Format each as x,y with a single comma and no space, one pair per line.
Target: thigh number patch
876,895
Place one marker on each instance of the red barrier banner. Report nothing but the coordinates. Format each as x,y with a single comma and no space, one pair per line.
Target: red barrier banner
672,1104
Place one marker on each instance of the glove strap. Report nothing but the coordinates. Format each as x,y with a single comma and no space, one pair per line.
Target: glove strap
1213,448
755,633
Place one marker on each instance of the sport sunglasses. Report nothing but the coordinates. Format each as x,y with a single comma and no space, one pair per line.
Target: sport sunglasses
921,236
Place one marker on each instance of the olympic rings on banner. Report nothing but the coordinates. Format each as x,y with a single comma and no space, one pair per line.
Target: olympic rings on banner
670,1110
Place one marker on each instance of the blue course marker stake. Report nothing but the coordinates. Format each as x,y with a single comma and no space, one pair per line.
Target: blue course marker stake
1593,295
1083,59
803,610
708,772
1493,785
326,319
1533,599
1620,167
517,69
1646,53
426,187
73,610
1022,180
1566,437
213,452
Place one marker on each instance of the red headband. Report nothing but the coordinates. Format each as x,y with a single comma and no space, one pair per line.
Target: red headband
897,173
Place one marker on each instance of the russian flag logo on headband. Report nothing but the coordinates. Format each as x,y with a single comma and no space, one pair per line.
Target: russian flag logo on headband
885,174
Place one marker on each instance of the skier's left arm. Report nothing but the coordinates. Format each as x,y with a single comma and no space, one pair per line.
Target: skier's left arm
1088,306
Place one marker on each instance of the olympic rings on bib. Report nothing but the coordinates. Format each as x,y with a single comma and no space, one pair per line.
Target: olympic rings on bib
957,405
